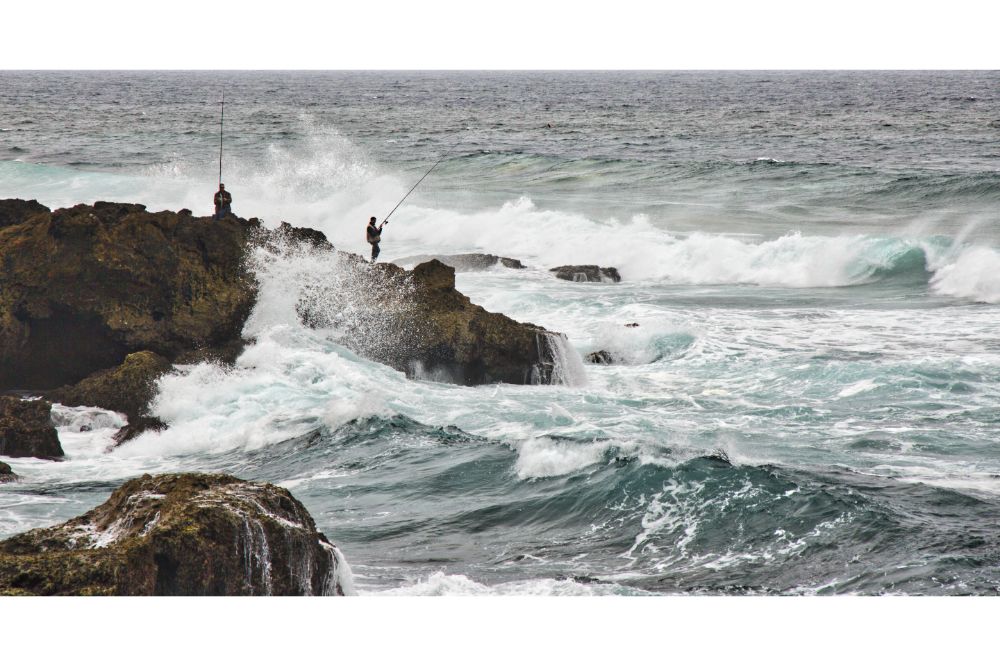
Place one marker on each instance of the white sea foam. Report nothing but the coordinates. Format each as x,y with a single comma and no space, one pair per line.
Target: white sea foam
442,584
974,274
540,457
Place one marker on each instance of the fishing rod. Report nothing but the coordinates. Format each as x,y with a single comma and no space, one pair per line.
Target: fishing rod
385,220
222,117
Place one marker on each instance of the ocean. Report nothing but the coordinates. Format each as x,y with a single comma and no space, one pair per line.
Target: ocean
810,403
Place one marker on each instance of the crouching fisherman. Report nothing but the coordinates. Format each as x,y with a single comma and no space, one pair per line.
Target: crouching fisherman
223,202
374,235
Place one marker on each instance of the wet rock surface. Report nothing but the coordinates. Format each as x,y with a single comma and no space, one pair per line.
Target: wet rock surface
587,273
6,473
179,534
126,389
417,322
463,263
26,429
600,357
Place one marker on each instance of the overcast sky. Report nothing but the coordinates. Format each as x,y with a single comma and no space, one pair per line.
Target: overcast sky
499,34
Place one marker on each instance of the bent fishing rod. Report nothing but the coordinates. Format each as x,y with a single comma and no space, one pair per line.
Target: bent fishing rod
385,220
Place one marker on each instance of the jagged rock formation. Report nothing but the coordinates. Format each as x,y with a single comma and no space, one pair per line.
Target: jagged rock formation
82,287
587,273
6,473
179,534
416,322
100,299
26,429
463,263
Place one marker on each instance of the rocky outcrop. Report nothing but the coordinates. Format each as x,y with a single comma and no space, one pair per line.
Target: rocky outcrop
587,273
127,389
82,287
463,263
417,322
6,473
179,534
100,299
16,211
26,429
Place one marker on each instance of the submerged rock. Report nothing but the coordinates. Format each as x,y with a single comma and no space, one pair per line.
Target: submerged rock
6,473
464,263
26,429
587,273
600,358
179,534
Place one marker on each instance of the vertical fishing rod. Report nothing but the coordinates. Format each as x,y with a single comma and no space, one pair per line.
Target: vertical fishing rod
222,117
385,220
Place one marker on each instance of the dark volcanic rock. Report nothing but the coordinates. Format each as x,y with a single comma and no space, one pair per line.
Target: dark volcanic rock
126,389
26,429
81,288
464,263
179,534
16,211
600,358
587,273
6,473
415,321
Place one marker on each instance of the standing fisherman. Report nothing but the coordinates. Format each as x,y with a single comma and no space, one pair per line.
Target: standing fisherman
223,199
223,202
374,235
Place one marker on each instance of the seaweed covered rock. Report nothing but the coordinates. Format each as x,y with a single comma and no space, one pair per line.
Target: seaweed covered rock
82,287
179,534
26,429
587,273
6,473
464,263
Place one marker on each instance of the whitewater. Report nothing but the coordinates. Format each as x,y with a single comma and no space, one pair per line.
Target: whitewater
809,403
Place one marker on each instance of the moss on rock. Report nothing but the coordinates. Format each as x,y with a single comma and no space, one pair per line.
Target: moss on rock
179,534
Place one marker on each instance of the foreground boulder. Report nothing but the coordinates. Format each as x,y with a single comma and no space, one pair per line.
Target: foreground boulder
26,429
179,534
587,273
6,473
464,263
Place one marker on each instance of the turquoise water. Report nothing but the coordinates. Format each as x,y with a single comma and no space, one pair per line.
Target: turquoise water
808,405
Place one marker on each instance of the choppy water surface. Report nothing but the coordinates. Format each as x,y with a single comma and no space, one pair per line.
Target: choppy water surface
811,400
